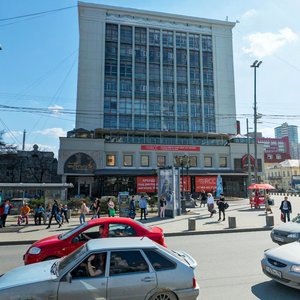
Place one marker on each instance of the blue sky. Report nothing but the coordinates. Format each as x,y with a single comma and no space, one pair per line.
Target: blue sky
38,62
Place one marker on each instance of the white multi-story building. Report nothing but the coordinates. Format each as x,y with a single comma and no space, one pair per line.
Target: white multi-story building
152,88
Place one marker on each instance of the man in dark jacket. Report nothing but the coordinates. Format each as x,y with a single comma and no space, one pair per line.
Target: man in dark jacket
286,209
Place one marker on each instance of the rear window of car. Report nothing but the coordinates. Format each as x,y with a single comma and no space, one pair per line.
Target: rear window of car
159,261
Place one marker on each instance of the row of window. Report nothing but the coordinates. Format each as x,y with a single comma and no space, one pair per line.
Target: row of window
168,38
111,52
161,161
282,173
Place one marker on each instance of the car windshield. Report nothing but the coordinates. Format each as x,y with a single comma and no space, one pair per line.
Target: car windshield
296,219
66,260
67,234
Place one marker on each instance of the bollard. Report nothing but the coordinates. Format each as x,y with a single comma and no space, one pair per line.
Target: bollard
231,222
192,223
270,221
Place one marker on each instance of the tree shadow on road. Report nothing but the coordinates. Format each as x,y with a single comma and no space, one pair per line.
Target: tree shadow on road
271,290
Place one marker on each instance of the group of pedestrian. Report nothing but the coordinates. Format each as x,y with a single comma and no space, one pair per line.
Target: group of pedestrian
59,212
207,199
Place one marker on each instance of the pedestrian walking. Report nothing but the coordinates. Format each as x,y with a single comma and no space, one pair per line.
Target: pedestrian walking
211,204
203,198
96,208
162,206
5,210
64,211
286,209
111,207
132,213
54,214
143,207
221,206
83,211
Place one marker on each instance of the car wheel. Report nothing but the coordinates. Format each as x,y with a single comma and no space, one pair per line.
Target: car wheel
164,296
51,257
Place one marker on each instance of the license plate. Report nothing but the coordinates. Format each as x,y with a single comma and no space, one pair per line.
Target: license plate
273,272
278,238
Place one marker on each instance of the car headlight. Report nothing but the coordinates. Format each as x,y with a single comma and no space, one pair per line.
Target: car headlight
34,250
293,235
295,268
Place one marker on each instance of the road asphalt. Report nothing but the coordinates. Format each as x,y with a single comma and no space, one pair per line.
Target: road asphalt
246,219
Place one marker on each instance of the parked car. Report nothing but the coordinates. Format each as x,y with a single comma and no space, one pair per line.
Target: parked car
60,245
286,232
137,269
293,191
283,264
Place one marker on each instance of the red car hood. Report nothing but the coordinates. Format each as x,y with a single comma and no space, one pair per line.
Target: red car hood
47,241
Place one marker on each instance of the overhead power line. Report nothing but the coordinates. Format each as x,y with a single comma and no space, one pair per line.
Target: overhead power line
37,14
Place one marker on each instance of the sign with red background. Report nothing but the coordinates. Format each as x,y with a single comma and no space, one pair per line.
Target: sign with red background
169,148
206,183
146,184
186,183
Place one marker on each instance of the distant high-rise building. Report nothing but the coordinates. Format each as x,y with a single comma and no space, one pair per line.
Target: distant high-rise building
291,131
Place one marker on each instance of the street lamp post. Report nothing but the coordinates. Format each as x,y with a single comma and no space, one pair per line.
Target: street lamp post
182,161
248,156
255,65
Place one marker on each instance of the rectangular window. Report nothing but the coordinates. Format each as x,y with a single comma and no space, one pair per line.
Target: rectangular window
193,161
111,160
223,162
144,160
127,160
161,161
207,161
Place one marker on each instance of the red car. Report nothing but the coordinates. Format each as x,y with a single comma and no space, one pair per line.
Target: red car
62,244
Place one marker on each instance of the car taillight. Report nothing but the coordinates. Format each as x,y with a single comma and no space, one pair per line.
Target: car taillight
194,283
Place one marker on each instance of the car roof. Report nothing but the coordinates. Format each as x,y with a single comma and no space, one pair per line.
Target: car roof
120,243
112,220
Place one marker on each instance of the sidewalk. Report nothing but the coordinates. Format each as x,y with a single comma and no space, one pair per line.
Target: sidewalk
247,219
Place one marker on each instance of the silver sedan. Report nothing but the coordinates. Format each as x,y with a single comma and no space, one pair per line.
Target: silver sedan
282,264
137,268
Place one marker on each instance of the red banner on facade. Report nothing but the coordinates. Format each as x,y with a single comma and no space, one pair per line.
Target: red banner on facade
146,184
206,183
186,183
169,148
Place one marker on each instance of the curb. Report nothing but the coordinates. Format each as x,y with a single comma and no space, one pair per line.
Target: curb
170,234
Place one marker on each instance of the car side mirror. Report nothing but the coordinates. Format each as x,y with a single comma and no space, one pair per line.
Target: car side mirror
67,278
75,240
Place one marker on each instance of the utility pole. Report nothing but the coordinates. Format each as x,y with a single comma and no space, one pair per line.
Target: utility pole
255,65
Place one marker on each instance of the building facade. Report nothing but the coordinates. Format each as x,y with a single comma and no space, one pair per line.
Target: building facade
153,89
284,175
291,131
276,150
141,70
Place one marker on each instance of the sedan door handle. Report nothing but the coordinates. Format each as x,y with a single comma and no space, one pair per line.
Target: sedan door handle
147,279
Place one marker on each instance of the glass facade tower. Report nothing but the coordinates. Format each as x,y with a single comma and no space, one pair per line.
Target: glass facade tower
158,80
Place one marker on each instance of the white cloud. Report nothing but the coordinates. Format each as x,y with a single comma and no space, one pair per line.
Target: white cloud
267,132
249,14
266,43
56,109
53,132
12,134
